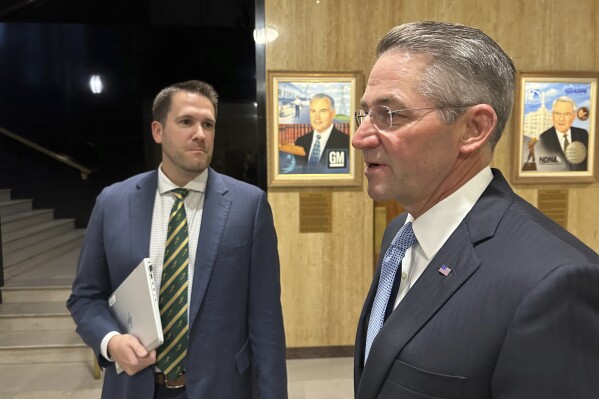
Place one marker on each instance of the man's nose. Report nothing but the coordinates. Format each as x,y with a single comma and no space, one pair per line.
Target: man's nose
366,136
199,133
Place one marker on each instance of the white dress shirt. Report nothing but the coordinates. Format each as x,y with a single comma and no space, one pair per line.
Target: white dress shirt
561,136
324,137
433,228
194,205
163,202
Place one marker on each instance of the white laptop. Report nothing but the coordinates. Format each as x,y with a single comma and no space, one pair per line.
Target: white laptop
134,304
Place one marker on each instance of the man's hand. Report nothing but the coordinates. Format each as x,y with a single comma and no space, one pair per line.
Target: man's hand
130,354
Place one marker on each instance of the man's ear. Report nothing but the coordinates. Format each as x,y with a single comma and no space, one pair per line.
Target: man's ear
480,122
157,132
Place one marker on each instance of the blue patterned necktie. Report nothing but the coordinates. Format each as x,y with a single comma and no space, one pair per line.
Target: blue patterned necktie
315,154
403,240
173,292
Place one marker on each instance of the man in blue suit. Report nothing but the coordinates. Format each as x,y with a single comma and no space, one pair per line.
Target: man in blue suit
324,138
235,336
477,294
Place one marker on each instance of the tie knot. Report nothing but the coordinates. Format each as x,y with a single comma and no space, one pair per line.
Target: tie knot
318,136
180,193
405,237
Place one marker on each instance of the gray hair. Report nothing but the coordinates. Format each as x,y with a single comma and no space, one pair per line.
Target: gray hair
564,99
466,67
321,96
162,102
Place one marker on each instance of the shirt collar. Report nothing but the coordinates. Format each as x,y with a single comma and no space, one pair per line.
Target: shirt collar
433,228
325,133
560,135
197,184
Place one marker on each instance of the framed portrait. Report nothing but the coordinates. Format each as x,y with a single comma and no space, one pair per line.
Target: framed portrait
310,128
555,127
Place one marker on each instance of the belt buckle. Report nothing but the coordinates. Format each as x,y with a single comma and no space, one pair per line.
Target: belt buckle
166,383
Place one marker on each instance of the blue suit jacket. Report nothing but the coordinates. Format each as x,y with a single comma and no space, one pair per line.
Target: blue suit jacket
518,317
237,344
337,141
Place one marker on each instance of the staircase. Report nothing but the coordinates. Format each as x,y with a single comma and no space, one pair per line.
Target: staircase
37,334
33,237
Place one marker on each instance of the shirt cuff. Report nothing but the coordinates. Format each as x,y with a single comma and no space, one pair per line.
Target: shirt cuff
104,345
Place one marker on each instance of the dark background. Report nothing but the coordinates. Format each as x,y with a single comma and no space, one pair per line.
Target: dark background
49,49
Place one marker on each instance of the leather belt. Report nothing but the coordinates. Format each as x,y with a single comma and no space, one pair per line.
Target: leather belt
178,382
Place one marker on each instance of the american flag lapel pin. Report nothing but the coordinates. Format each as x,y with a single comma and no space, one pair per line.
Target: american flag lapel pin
445,270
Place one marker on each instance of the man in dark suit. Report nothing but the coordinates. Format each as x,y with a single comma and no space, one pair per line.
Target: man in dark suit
323,139
563,145
231,343
477,294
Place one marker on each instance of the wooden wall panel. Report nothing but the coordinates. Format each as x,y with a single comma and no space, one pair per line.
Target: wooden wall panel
325,276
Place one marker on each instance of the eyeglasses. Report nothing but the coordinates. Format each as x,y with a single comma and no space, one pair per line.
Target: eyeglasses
383,118
566,115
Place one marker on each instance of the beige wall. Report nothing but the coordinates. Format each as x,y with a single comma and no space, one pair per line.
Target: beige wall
326,276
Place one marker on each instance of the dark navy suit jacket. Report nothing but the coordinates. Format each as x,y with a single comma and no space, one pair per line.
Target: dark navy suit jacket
518,317
237,342
337,140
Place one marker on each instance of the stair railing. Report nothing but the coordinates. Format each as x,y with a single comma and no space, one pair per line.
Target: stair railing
84,172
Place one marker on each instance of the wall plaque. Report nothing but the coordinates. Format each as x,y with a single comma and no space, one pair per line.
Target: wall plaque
554,204
316,212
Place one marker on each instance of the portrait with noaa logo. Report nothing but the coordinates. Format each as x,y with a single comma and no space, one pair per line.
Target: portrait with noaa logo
557,124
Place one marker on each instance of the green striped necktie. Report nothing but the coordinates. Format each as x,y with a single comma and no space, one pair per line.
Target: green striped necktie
173,292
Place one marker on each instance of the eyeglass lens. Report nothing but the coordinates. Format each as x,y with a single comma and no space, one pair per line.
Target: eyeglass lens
562,114
380,116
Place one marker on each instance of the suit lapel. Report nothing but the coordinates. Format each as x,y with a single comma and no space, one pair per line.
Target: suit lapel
334,142
214,218
423,300
141,208
578,135
390,233
556,144
363,326
433,289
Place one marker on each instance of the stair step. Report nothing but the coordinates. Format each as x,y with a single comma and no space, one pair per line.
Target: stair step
57,273
62,380
4,194
42,346
23,259
35,316
16,295
24,219
27,236
15,206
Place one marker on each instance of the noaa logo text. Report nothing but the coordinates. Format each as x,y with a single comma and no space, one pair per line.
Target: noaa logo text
551,160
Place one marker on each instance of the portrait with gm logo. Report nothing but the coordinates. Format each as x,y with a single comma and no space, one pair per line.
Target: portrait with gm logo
556,118
311,127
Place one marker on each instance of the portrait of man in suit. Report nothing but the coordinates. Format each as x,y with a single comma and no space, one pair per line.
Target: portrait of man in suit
476,294
322,139
213,248
563,146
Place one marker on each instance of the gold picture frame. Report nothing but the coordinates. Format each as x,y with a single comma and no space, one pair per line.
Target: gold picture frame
555,127
300,104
